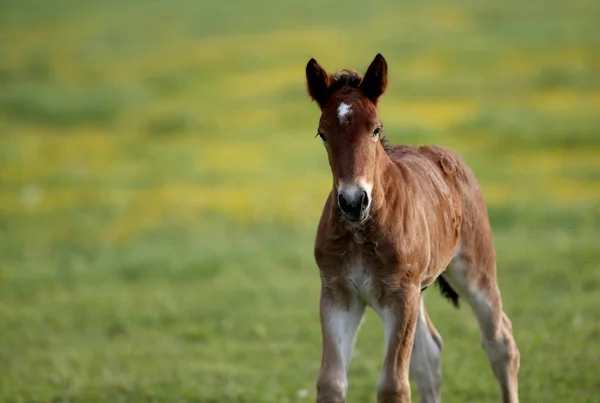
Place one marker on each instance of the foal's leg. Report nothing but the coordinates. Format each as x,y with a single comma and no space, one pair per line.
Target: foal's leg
425,361
480,290
340,320
400,314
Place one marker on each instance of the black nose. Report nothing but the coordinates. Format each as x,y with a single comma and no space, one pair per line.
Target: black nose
353,204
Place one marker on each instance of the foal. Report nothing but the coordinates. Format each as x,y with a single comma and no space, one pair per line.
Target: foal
398,219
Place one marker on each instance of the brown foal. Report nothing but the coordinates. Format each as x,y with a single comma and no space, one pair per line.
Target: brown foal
398,219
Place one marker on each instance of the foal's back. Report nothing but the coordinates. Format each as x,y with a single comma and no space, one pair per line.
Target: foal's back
436,164
451,195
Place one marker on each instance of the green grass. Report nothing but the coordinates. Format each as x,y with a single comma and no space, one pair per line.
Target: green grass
160,188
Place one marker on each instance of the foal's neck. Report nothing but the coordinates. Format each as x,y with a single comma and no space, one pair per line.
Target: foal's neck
382,183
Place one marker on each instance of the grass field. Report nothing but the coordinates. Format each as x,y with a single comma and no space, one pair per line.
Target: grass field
160,188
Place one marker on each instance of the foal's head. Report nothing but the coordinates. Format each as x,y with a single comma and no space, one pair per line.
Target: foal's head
350,129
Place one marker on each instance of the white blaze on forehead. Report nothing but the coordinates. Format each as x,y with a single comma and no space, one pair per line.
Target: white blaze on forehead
344,111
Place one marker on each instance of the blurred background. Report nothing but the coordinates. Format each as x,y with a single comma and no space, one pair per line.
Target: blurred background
160,187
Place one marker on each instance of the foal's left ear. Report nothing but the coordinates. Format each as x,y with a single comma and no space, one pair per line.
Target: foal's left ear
317,82
374,83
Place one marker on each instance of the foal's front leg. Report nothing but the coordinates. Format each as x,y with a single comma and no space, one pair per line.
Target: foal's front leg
399,314
341,316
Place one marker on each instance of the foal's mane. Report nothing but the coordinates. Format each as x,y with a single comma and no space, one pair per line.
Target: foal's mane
351,79
387,146
347,78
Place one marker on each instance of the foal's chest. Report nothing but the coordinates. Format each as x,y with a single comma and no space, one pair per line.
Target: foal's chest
361,281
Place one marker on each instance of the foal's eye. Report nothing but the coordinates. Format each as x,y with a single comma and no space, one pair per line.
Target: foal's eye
376,132
322,137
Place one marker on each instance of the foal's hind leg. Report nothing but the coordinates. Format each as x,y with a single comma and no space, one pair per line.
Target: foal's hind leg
425,360
478,286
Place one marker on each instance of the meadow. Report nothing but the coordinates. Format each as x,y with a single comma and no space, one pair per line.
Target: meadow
160,187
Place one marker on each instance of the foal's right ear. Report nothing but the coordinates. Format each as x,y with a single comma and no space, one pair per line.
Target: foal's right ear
317,81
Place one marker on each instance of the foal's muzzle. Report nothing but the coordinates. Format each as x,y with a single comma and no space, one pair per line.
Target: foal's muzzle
354,204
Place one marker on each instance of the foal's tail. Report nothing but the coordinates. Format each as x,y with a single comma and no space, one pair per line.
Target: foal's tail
447,291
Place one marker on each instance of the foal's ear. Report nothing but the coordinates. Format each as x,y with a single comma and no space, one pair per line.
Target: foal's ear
374,83
317,81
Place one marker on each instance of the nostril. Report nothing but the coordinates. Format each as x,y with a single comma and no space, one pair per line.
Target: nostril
364,200
355,205
342,202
